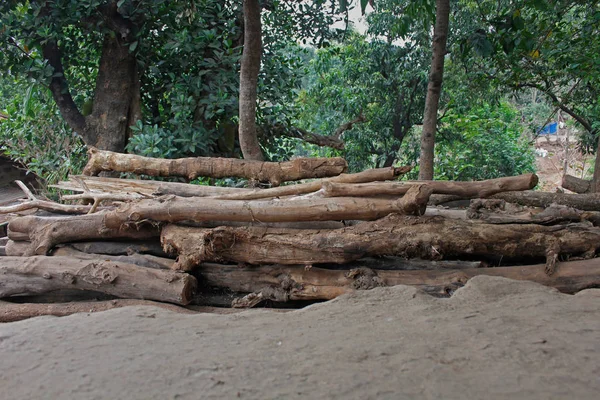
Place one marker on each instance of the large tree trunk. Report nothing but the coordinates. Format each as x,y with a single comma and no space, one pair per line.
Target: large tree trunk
595,185
106,126
434,88
430,238
250,67
479,189
191,168
32,275
281,283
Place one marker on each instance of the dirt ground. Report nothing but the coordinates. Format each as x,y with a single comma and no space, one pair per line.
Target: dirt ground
494,339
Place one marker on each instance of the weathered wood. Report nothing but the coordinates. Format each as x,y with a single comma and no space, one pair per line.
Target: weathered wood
399,263
496,211
575,184
16,248
478,189
431,238
279,283
46,232
141,260
143,187
586,202
191,168
123,222
40,274
151,247
370,175
11,312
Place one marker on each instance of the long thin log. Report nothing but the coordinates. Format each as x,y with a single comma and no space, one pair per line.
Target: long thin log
280,283
370,175
111,248
191,168
575,184
11,312
143,187
46,233
432,238
586,202
478,189
40,274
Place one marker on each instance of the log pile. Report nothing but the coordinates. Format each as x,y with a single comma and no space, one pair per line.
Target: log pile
188,244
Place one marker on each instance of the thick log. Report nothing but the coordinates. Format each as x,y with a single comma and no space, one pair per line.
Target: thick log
575,184
46,232
586,202
370,175
478,189
16,248
11,312
279,283
40,274
191,168
432,238
151,247
398,263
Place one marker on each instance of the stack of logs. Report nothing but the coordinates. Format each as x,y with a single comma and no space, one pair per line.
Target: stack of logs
190,244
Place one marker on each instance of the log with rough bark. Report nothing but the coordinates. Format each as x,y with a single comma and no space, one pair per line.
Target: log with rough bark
496,211
575,184
478,189
40,274
284,283
585,202
141,260
191,168
45,233
11,312
432,238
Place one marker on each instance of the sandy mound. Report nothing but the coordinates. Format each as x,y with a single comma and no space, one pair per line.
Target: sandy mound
494,339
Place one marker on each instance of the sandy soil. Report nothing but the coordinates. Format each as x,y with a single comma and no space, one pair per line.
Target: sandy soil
494,339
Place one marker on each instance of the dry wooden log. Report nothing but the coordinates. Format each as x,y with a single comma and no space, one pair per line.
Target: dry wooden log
478,189
398,263
141,260
432,238
143,187
370,175
586,202
575,184
46,232
124,221
191,168
496,211
40,274
11,312
15,248
291,225
279,283
151,247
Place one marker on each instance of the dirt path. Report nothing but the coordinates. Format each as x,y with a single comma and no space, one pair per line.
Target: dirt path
494,339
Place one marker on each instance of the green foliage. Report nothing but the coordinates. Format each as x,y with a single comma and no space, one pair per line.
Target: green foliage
486,142
35,134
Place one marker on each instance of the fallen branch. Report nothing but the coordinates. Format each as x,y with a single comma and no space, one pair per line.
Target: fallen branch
478,189
11,312
370,175
280,283
191,168
431,238
141,260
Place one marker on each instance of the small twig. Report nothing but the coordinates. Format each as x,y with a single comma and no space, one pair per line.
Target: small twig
25,189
